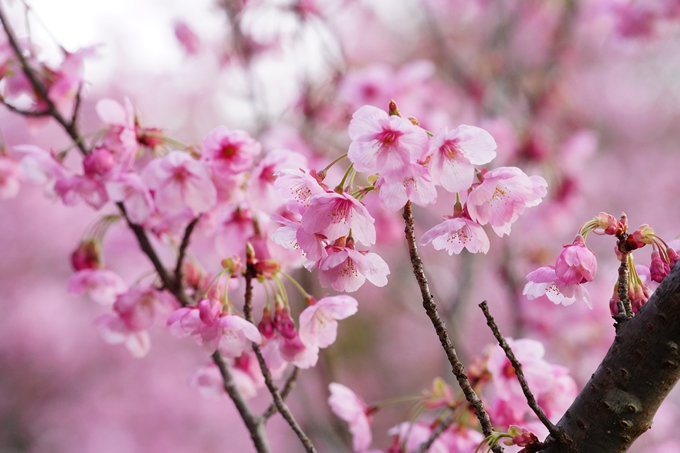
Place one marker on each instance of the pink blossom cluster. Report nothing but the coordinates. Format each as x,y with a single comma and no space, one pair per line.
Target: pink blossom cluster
551,385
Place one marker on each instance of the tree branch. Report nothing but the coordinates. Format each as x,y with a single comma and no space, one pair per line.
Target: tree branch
639,370
439,326
287,388
254,424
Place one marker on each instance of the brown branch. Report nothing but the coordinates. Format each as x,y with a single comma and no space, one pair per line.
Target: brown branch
531,400
639,370
22,112
439,326
69,126
268,380
287,388
254,424
182,253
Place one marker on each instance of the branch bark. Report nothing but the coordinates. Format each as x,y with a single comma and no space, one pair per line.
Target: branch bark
641,367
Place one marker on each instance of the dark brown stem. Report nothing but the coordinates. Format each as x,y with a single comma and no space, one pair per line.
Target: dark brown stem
254,424
436,432
439,326
25,112
182,253
268,380
639,370
69,126
287,388
531,400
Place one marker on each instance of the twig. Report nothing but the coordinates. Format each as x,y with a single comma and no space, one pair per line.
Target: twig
268,380
22,112
182,253
287,388
439,326
69,126
623,304
254,424
441,427
531,400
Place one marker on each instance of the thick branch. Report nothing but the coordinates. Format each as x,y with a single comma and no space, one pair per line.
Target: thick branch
439,326
639,370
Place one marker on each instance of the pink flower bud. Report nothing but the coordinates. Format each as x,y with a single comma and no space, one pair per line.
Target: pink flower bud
99,162
640,237
658,268
284,324
609,224
266,325
638,295
576,263
86,256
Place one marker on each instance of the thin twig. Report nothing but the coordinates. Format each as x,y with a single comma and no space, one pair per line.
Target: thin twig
439,429
182,253
22,112
253,423
70,127
287,388
531,400
268,380
623,304
439,326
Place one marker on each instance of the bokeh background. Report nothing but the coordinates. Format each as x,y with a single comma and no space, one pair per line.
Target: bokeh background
584,93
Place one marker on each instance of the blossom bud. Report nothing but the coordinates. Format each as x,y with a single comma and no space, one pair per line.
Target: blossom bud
638,295
99,162
672,257
659,268
151,137
87,256
609,224
233,265
614,302
266,325
640,237
284,324
576,264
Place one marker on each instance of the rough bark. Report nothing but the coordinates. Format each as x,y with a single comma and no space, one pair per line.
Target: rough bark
639,370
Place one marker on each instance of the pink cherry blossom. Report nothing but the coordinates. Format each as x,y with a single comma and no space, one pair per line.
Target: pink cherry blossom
415,186
140,306
349,407
385,144
334,214
297,187
502,196
412,435
576,263
545,282
291,235
261,191
179,181
557,400
121,135
10,177
229,152
229,334
319,322
114,331
236,227
103,286
39,166
187,37
457,233
129,188
99,162
346,269
538,373
455,153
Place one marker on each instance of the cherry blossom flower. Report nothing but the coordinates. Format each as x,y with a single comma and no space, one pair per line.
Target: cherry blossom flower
412,435
545,282
334,214
297,187
576,263
140,306
229,334
121,135
456,233
261,191
114,331
179,181
129,188
346,269
538,373
563,392
349,407
103,286
319,322
416,186
502,196
385,144
455,153
229,152
10,177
